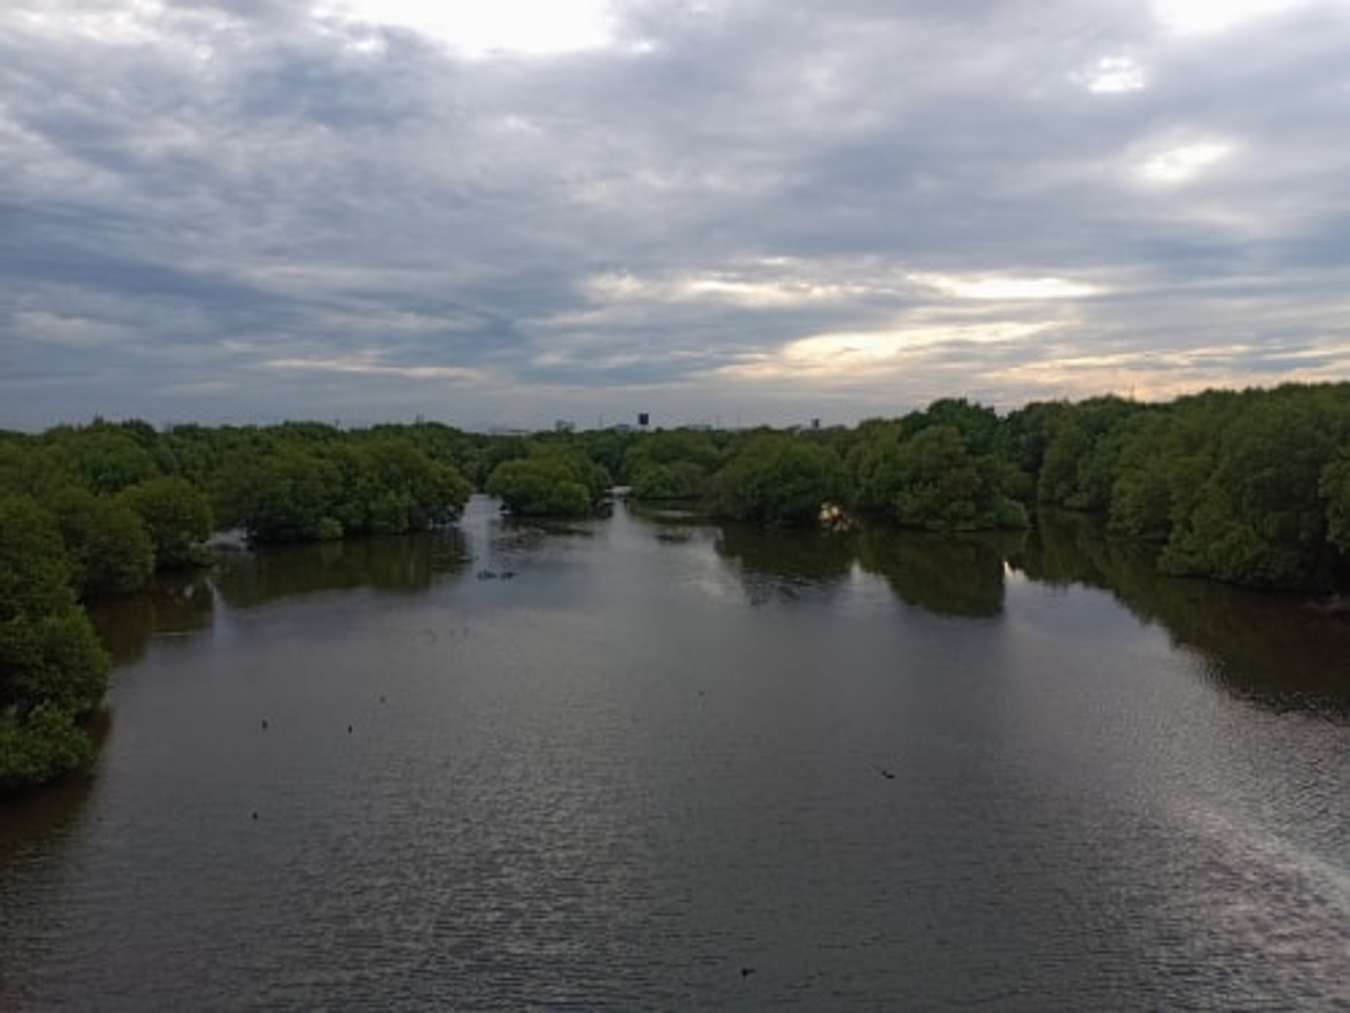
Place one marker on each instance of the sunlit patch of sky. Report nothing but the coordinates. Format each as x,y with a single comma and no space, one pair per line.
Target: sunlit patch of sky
1112,75
1210,16
1184,162
478,28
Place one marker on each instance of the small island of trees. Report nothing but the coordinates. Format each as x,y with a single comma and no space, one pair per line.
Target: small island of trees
1248,487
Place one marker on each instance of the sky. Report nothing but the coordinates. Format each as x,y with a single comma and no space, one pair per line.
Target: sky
502,214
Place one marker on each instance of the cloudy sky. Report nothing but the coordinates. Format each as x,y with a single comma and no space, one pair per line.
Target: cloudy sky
502,213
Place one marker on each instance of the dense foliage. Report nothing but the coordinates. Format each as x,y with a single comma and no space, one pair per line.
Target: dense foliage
1249,487
95,510
107,544
778,480
671,465
1246,487
299,490
938,470
549,481
52,669
177,516
1335,489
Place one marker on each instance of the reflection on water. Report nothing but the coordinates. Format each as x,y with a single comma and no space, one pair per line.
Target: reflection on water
174,605
772,565
179,604
405,563
1271,648
960,575
353,776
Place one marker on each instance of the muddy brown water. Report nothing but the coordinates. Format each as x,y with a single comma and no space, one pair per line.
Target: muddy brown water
880,770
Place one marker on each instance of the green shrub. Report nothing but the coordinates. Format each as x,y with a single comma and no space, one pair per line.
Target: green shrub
39,746
778,480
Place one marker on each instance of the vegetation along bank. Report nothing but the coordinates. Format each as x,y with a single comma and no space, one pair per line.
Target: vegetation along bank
1249,487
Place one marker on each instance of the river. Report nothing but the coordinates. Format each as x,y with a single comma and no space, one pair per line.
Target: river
675,765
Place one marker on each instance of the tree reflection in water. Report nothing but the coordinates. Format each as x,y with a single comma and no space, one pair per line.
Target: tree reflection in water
397,563
785,564
957,575
173,604
1267,647
1273,649
178,604
1270,648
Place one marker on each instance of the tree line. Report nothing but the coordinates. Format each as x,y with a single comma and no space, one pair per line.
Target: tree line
1249,487
91,511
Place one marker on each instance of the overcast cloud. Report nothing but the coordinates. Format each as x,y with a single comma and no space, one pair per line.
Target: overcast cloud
489,214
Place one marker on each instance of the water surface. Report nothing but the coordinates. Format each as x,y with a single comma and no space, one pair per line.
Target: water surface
658,755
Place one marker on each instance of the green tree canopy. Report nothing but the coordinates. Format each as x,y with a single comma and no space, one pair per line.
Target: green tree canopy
1335,489
938,484
778,480
52,669
177,514
284,496
107,544
545,485
103,458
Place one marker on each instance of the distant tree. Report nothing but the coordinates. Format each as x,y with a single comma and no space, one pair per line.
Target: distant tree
107,545
177,515
977,424
1257,517
103,458
417,492
39,746
498,452
778,480
52,670
1058,481
606,447
941,486
668,448
1078,466
286,495
542,486
870,459
680,480
1335,489
1027,433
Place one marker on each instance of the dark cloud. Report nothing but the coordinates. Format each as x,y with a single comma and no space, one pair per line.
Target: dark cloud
754,209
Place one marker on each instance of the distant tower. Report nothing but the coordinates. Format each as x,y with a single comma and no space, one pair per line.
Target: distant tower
644,419
815,423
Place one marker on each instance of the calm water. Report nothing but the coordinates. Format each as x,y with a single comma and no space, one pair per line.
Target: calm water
654,758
